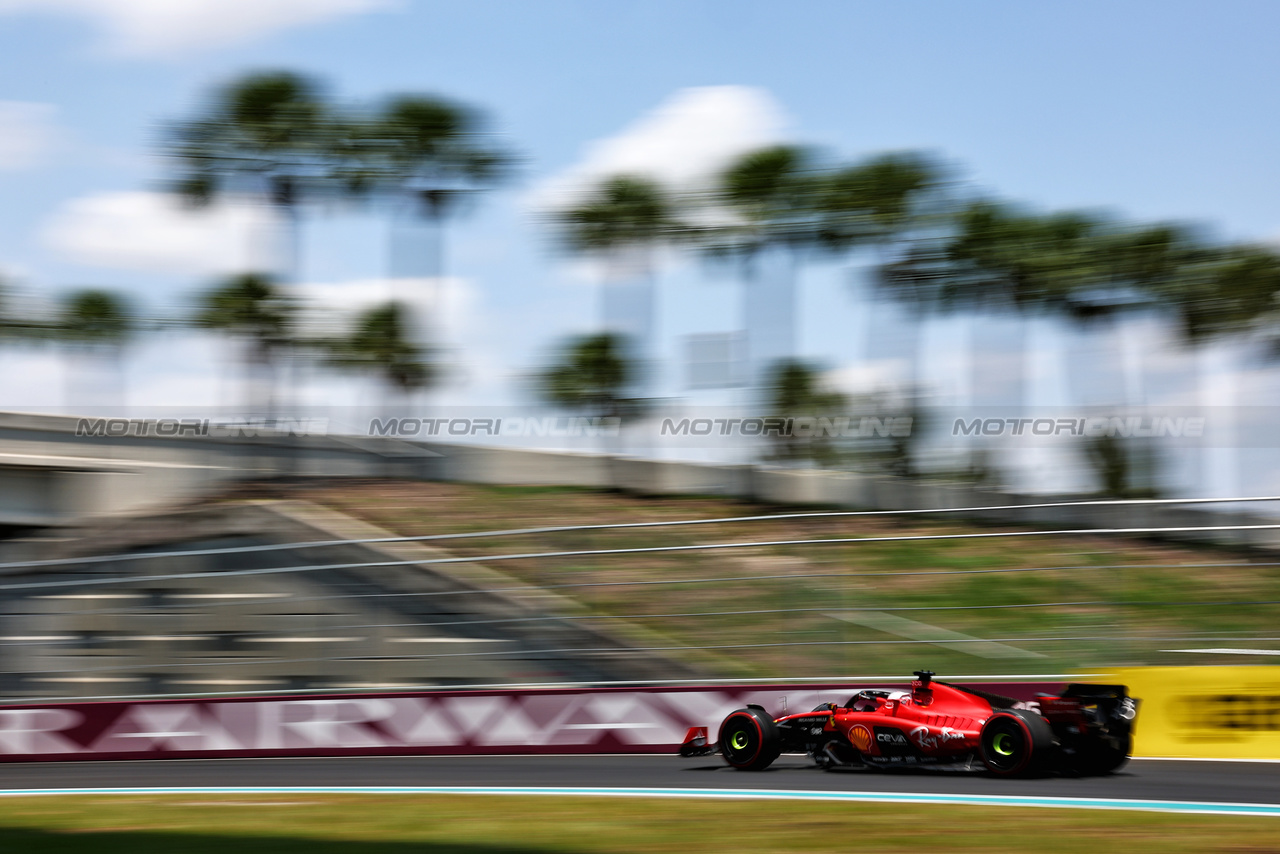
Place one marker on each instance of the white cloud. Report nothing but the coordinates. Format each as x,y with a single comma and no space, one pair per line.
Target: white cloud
168,27
690,136
152,232
869,376
27,133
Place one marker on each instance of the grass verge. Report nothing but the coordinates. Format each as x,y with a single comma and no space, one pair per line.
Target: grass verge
1089,600
382,824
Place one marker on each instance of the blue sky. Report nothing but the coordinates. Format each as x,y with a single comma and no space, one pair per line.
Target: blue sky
1161,110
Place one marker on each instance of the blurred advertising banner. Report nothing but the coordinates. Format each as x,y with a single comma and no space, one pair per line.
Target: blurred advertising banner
1205,712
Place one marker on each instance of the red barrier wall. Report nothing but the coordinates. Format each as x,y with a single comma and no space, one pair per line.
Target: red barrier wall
526,721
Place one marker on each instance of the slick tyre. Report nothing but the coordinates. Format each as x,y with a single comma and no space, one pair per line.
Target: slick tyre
1014,742
749,740
1098,760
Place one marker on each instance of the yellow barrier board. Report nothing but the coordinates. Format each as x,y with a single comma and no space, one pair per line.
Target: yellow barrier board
1204,712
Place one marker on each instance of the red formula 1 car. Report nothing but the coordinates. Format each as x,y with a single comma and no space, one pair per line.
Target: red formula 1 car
1085,730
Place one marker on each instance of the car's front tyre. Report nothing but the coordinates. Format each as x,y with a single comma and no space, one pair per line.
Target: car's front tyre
749,740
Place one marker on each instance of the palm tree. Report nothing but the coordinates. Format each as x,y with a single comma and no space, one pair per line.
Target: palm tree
771,196
381,341
623,221
8,324
270,135
1119,274
267,134
15,326
96,318
251,308
98,324
997,256
426,155
1218,294
796,391
591,376
874,202
1222,290
992,256
880,203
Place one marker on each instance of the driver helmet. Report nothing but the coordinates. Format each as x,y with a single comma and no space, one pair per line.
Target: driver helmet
921,693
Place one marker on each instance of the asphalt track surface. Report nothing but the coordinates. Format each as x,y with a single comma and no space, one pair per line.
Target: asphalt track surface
1141,779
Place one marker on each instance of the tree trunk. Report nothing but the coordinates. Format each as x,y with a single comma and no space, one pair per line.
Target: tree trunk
769,313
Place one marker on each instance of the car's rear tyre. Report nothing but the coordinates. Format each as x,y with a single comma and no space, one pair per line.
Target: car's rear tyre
1013,742
1099,759
749,740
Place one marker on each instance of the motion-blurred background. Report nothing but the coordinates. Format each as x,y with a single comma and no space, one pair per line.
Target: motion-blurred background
277,273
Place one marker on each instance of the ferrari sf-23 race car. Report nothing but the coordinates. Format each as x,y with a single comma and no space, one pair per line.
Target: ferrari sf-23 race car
1085,730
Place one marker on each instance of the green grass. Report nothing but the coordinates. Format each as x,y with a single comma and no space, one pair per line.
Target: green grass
1153,598
367,824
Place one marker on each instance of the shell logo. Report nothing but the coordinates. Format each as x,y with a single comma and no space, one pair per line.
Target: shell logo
860,737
